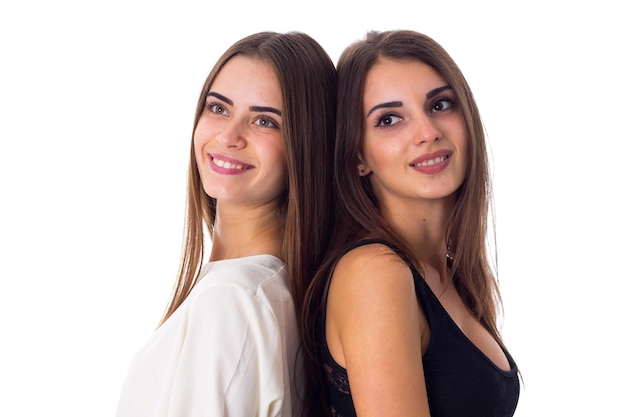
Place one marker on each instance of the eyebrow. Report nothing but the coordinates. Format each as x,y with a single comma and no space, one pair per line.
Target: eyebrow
436,91
221,97
429,95
260,109
385,105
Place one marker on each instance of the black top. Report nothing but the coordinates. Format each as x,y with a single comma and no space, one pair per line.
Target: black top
460,379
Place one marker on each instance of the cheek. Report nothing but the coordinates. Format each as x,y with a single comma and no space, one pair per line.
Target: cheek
464,151
279,162
464,147
379,156
459,136
200,137
197,147
274,150
368,153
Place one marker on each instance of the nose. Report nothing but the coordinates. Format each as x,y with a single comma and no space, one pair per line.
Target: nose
426,130
231,136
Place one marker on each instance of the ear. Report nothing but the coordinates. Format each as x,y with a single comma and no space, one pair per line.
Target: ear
363,169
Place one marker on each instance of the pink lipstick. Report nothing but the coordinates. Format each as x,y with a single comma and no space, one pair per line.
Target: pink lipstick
432,163
223,164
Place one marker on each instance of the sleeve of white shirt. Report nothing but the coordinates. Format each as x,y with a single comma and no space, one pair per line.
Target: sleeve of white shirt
230,360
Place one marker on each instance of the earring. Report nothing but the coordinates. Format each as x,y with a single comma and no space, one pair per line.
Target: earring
449,254
361,171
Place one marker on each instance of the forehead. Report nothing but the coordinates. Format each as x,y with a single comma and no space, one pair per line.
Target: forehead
244,77
400,76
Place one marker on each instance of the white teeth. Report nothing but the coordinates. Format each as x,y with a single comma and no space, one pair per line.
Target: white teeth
431,162
226,164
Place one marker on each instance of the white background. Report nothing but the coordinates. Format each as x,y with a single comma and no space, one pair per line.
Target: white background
96,107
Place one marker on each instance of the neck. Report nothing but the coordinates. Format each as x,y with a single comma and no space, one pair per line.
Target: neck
423,226
246,231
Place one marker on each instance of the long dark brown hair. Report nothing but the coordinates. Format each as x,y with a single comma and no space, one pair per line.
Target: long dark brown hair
307,77
358,216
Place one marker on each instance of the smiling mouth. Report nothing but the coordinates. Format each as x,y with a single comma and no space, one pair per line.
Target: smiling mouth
228,165
431,162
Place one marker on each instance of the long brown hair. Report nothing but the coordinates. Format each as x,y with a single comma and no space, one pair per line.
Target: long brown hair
357,208
307,77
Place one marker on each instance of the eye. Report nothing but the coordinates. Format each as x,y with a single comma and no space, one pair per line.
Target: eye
441,105
217,108
265,121
387,120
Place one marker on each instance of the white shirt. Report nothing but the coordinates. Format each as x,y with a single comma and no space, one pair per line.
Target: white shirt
228,350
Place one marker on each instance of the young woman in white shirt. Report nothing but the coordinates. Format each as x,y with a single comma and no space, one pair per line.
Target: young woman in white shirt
262,138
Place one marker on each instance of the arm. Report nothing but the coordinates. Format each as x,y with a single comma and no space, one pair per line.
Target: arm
374,328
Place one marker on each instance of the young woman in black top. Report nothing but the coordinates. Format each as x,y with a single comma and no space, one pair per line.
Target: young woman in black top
401,320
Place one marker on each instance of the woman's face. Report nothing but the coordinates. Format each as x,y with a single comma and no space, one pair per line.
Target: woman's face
415,143
238,141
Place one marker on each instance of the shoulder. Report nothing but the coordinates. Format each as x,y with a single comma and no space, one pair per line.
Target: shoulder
257,275
370,262
372,310
244,286
368,280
